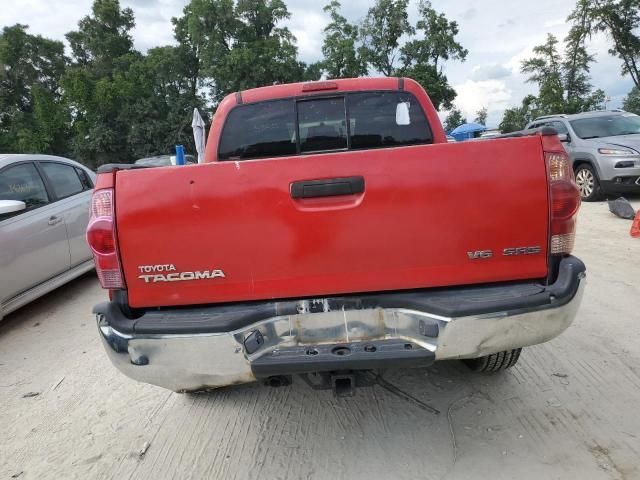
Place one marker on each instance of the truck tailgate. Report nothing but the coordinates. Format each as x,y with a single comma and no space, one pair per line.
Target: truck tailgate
427,216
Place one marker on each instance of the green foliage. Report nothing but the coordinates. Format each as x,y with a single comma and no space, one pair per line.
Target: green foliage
103,37
109,102
545,69
632,101
98,87
166,94
387,43
620,21
516,118
32,118
438,42
386,22
312,72
240,45
343,58
562,80
126,105
423,57
454,119
481,116
577,60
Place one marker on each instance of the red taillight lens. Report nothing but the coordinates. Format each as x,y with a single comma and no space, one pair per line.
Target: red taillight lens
565,201
101,237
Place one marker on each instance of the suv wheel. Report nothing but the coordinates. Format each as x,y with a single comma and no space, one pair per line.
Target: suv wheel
495,362
588,183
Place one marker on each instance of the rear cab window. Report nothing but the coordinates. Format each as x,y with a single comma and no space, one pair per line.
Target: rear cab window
265,129
322,124
299,126
378,120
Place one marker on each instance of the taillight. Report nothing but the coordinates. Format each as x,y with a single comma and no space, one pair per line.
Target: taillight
102,239
565,201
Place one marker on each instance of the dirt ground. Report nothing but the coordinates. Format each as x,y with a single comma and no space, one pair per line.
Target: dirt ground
569,409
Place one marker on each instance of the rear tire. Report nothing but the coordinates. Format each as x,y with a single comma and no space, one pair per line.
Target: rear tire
588,183
495,362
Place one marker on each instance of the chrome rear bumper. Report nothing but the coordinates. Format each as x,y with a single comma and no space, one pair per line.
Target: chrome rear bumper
310,340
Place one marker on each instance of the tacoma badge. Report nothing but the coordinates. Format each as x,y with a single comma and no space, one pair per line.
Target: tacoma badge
168,273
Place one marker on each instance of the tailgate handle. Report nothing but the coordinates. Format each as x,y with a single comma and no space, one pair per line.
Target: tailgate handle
327,187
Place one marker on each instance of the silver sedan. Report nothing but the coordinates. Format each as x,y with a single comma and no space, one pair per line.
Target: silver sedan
44,211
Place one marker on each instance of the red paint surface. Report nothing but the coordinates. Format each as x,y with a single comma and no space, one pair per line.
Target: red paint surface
424,207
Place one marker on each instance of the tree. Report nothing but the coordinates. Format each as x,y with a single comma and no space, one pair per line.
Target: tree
383,27
423,58
481,116
563,81
454,119
98,87
32,116
240,45
545,69
207,29
516,118
438,43
632,101
312,72
160,116
577,59
342,54
619,20
377,44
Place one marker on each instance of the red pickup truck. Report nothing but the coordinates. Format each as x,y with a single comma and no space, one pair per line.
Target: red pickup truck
332,230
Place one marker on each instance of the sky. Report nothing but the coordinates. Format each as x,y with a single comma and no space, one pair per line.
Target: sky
499,34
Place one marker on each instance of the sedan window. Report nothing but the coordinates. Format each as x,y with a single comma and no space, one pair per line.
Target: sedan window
63,178
23,182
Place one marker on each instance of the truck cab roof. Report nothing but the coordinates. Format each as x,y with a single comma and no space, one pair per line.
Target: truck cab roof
318,88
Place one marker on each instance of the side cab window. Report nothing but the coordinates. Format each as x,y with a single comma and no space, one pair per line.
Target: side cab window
22,182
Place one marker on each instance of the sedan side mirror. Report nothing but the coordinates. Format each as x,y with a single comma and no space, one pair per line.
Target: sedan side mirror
564,137
11,206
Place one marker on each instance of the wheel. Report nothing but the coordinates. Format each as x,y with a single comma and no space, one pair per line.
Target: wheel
588,183
495,362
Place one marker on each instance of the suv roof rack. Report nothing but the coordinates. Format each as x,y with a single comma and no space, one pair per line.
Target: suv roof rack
561,115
